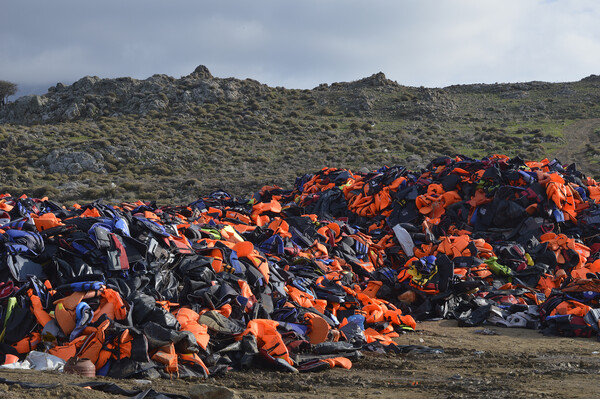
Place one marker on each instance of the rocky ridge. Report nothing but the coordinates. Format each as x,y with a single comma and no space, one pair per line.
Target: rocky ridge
92,97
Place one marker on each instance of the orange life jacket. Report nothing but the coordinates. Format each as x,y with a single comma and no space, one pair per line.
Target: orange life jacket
268,338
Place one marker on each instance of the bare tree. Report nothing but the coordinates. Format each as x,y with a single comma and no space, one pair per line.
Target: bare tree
6,89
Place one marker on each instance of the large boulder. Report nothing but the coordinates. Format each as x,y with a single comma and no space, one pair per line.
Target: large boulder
201,72
74,162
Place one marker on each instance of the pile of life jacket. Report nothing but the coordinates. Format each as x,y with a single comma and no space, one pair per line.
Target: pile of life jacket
302,279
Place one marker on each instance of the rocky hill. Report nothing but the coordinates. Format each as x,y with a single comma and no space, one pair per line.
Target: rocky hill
168,138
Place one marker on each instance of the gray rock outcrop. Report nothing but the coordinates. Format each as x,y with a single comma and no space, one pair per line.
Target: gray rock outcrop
91,97
74,162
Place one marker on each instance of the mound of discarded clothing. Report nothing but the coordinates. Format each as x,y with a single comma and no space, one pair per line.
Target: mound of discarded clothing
302,279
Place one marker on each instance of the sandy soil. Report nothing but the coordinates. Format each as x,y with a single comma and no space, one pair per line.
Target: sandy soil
512,363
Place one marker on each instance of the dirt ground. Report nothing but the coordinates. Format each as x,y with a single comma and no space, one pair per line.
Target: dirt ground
511,363
578,136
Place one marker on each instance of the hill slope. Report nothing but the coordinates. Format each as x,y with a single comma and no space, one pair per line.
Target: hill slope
173,139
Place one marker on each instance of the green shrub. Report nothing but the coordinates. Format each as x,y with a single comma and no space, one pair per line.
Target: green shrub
367,127
41,191
131,186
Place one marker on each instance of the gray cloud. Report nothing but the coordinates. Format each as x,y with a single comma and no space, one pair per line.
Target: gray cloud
303,43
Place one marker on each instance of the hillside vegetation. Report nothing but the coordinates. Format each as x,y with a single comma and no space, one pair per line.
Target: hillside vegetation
173,140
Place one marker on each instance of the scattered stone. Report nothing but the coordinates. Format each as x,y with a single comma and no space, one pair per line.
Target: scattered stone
206,391
486,331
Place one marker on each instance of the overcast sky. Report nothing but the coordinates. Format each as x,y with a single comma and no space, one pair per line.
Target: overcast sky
300,43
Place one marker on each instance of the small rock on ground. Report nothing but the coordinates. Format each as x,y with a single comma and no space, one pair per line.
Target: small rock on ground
206,391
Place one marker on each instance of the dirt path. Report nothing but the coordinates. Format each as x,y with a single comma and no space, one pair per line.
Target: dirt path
514,363
577,136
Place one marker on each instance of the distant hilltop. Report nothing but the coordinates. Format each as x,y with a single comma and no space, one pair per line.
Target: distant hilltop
92,97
